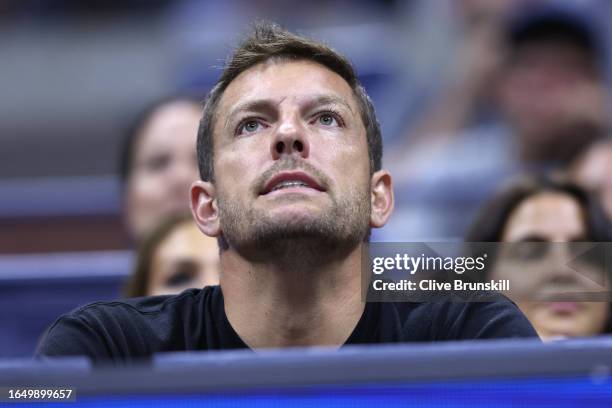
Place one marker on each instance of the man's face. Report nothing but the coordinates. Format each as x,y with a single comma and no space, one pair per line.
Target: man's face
291,157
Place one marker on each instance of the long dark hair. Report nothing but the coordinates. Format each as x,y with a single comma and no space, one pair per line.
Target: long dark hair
491,220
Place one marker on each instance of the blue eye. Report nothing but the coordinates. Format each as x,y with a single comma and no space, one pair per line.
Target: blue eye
328,119
250,126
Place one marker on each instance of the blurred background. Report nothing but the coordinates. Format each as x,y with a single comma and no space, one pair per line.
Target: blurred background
469,93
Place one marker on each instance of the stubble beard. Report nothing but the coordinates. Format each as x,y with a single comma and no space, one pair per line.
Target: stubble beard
300,242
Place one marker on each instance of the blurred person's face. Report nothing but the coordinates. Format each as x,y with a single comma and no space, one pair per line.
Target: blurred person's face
594,172
540,271
165,165
184,259
291,159
553,98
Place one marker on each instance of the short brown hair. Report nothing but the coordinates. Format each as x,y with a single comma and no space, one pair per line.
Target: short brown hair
269,41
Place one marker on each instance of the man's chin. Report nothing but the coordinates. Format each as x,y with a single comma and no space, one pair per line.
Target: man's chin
306,226
292,202
299,239
295,224
305,212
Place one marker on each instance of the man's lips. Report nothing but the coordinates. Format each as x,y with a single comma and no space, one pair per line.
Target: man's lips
292,176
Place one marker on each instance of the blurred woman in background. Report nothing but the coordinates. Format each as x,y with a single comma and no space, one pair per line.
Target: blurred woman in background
174,257
531,214
159,163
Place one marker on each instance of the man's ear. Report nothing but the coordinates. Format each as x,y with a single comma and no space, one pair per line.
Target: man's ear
204,208
382,198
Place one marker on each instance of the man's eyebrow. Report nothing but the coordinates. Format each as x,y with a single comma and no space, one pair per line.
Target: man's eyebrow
253,105
329,100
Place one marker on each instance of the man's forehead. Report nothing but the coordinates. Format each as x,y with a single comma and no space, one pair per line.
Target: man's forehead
278,81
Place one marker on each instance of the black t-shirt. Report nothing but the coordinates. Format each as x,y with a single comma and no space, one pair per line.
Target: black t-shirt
130,329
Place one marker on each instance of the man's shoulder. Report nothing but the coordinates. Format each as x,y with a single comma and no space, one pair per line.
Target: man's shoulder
481,317
143,306
129,328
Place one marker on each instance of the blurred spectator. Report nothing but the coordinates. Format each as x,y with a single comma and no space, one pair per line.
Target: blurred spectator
467,54
550,91
158,163
542,210
593,171
174,257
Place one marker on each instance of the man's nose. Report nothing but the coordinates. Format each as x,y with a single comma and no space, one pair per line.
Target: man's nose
289,139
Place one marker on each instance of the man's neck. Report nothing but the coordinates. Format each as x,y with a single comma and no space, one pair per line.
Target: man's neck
271,305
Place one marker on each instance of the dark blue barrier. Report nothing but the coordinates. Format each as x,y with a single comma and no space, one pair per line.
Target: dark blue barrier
36,289
461,374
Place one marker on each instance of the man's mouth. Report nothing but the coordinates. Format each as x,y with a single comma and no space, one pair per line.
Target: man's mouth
288,184
291,180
